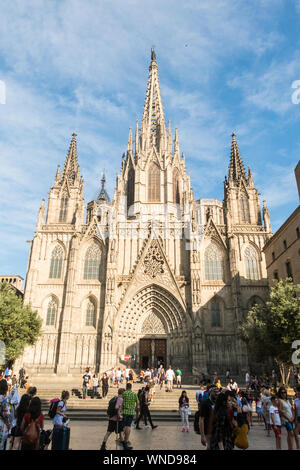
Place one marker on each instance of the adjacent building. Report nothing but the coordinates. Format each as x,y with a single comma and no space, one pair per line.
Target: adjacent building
283,249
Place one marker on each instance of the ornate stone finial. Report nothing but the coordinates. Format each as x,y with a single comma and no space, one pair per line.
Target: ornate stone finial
74,134
153,54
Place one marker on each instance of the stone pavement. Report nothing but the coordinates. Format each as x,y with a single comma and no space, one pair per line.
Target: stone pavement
168,436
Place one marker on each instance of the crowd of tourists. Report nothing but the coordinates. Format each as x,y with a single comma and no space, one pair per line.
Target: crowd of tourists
223,420
22,423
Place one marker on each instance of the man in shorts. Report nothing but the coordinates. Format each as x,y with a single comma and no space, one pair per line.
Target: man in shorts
115,422
170,376
178,378
129,406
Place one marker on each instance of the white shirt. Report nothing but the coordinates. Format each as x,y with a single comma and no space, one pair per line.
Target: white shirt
127,373
275,412
119,374
58,419
247,377
170,374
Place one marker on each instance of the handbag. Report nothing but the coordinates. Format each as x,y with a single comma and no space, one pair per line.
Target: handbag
246,409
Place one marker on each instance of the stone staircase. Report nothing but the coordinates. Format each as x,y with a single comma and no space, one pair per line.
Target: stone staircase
164,405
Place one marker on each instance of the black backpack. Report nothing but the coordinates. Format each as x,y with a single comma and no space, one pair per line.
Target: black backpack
53,407
196,422
111,410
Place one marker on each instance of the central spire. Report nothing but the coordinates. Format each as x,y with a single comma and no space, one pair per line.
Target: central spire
153,123
236,167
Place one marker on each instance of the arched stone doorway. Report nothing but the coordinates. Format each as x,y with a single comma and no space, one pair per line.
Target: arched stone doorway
154,326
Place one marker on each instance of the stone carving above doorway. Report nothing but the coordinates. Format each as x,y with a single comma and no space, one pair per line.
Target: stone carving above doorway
153,325
153,262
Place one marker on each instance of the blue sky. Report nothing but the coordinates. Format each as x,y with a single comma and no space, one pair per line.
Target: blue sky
70,66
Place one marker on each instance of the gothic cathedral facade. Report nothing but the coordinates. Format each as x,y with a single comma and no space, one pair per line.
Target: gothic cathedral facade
154,273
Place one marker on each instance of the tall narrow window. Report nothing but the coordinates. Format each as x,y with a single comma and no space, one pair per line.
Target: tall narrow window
289,270
56,263
63,209
176,192
130,188
51,312
244,205
213,264
90,314
92,263
251,263
215,313
153,183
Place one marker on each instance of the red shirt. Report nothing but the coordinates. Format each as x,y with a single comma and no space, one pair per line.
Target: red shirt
39,421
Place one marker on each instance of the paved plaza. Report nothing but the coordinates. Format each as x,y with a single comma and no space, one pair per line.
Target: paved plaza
87,435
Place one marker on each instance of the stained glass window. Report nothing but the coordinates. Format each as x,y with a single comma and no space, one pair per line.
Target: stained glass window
130,188
244,209
176,193
56,263
215,313
90,314
51,312
153,183
63,209
213,263
92,263
251,263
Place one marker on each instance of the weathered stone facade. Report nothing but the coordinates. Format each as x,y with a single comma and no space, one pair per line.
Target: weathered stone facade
154,264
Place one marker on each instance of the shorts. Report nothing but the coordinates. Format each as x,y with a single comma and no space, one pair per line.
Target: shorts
277,430
127,420
115,426
289,426
179,378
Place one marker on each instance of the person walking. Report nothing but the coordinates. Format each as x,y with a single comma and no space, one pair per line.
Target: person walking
85,384
61,434
115,420
21,410
95,382
104,382
144,409
4,414
185,411
206,409
288,418
221,434
170,376
32,423
297,410
162,377
275,421
179,377
129,405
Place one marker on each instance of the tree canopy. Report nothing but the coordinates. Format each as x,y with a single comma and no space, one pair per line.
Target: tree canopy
271,329
19,324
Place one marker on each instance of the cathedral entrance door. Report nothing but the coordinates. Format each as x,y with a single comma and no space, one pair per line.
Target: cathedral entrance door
152,352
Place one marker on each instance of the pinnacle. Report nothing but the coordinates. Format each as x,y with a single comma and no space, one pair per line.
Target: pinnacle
71,168
236,167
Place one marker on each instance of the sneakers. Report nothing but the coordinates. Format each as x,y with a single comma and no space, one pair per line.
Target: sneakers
153,427
147,426
187,429
137,427
182,430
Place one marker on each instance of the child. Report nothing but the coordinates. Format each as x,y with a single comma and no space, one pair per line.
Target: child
275,421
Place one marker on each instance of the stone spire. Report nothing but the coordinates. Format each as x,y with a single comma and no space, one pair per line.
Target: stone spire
236,167
71,167
103,195
153,123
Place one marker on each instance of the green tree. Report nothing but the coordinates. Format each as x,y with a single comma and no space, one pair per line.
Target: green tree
19,324
271,329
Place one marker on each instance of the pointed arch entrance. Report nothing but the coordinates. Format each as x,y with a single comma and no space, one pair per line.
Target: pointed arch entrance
154,326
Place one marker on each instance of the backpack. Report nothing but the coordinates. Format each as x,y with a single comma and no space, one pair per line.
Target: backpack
32,433
111,410
53,407
196,422
200,397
